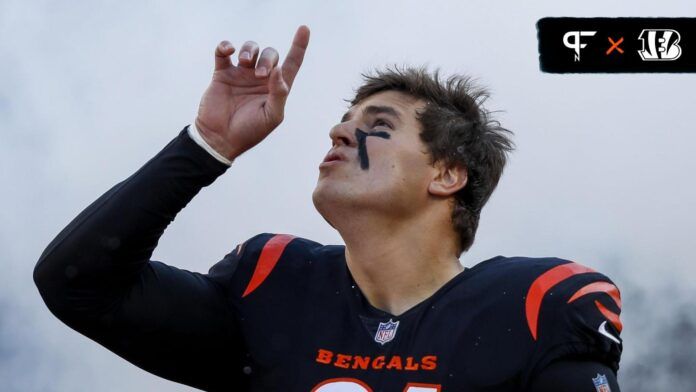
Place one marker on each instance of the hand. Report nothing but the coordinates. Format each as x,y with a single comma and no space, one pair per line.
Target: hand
244,103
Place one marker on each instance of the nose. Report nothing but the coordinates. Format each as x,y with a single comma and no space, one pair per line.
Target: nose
343,134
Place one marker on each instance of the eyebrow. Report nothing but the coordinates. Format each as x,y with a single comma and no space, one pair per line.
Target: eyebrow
372,110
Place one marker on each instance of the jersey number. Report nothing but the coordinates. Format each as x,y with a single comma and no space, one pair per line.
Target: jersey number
354,385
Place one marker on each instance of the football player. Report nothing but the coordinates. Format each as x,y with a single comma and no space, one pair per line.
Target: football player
411,164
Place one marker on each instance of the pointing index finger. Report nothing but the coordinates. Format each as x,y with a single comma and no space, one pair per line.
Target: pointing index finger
293,61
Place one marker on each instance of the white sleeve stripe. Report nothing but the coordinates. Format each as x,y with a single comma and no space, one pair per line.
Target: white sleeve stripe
195,134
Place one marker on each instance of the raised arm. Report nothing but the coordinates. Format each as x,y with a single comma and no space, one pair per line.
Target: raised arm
97,276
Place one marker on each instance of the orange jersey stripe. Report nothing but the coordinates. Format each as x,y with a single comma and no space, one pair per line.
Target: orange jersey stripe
611,316
543,284
270,254
599,287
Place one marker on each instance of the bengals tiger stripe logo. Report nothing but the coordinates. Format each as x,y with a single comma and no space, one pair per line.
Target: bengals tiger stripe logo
546,281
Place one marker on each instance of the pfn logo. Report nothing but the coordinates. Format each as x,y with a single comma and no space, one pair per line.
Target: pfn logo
575,44
660,45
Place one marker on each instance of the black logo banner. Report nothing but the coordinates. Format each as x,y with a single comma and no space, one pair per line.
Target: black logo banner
589,45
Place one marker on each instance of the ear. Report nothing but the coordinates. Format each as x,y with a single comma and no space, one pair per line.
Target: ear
447,180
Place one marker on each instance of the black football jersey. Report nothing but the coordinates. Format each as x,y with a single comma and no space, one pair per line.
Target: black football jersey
281,313
491,328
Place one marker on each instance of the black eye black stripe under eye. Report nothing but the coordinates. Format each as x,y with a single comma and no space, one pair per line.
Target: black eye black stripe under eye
361,137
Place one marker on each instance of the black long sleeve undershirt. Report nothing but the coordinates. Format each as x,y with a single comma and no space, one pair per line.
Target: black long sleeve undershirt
97,277
569,375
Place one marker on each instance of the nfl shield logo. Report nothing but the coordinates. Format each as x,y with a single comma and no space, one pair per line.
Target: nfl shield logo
601,383
386,332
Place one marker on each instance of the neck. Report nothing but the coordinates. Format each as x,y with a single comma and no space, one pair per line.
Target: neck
398,264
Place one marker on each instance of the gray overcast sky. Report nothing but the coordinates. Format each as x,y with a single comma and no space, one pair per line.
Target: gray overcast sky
89,91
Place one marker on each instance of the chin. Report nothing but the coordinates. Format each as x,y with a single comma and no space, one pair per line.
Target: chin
335,198
324,196
337,201
324,203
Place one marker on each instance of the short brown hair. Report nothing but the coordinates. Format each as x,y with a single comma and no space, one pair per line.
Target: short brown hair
457,130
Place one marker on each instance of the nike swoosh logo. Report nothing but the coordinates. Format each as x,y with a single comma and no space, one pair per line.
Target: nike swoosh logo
603,330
